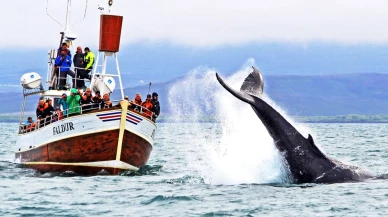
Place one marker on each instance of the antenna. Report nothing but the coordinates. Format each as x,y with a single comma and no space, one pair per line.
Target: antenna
149,88
86,7
68,36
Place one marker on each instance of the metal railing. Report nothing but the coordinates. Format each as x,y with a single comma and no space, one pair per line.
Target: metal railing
55,77
84,108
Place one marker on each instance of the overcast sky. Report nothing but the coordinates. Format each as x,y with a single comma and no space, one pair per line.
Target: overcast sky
201,23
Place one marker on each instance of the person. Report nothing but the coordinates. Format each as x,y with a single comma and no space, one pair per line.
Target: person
64,62
50,107
148,105
59,114
73,102
97,99
86,99
30,124
78,61
88,62
156,105
136,103
64,47
62,101
42,109
106,103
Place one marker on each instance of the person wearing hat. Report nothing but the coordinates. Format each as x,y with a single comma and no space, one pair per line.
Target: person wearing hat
156,106
88,62
62,101
73,102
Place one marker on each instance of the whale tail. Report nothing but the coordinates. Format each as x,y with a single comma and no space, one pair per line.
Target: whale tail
253,84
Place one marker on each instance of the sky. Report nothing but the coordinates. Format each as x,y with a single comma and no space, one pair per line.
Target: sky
201,23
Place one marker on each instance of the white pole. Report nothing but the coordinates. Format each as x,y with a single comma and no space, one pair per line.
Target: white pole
119,74
67,24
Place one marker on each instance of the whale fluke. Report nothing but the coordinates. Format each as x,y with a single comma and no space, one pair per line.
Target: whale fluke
253,84
307,164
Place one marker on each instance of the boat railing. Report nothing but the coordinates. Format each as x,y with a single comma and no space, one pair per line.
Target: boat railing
56,77
83,109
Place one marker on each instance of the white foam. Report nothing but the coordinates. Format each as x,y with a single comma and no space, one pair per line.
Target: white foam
241,151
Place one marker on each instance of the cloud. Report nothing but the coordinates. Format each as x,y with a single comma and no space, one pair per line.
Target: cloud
202,23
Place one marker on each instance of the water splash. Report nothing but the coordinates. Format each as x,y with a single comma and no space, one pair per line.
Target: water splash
239,149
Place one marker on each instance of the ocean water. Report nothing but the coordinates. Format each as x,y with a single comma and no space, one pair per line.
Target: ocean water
229,167
183,179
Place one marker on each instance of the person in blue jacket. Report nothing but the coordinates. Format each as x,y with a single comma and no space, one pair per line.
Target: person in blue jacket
62,101
63,62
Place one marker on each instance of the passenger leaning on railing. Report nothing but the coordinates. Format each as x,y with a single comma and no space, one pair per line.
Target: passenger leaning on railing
73,101
62,101
136,103
106,103
86,100
148,105
156,107
30,124
43,109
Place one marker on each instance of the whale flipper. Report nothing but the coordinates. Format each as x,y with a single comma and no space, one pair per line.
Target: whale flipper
253,84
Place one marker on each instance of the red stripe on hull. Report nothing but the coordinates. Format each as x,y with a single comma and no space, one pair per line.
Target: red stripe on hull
95,147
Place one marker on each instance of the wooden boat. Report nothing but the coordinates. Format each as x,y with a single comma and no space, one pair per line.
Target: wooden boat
96,139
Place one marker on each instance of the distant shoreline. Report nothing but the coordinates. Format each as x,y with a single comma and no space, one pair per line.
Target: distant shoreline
351,118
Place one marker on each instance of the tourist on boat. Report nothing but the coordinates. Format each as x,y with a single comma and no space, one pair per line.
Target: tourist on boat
42,109
73,102
50,105
148,106
106,103
78,61
64,47
30,124
136,103
86,100
64,62
156,107
97,99
62,101
88,62
59,114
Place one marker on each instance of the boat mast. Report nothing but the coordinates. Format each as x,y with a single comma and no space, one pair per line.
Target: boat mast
68,12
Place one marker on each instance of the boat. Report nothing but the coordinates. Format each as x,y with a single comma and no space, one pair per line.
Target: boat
97,139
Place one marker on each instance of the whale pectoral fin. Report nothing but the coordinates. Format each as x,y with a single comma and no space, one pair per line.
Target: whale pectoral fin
240,95
253,84
315,148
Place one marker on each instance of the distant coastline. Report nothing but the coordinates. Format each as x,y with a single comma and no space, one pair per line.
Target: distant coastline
351,118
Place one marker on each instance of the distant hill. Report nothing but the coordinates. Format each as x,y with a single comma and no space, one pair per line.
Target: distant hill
307,95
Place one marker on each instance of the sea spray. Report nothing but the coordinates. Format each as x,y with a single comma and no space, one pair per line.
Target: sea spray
236,148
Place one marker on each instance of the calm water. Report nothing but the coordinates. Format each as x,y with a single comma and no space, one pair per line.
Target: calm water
205,170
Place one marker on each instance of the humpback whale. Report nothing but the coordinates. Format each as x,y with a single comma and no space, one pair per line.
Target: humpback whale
306,163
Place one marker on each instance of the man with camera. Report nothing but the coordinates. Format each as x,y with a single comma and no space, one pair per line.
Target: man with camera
63,62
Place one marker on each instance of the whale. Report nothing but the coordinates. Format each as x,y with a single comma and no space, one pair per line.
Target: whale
304,161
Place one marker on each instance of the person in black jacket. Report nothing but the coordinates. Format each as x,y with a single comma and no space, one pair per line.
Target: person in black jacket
78,61
156,106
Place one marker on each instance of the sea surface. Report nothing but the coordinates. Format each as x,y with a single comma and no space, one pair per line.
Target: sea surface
204,169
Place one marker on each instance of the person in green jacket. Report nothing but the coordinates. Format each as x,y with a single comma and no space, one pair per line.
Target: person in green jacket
88,61
73,102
